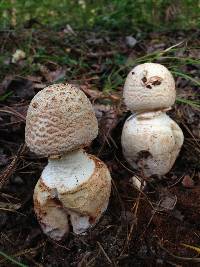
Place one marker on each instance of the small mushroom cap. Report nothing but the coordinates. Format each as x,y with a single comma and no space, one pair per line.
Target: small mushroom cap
60,119
149,86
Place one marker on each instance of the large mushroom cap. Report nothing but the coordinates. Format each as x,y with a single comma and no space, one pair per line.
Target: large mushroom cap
60,119
149,86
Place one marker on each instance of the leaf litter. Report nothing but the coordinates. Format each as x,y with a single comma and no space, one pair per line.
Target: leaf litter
140,228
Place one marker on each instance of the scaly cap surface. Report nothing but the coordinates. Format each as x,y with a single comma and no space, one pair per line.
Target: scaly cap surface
60,119
149,86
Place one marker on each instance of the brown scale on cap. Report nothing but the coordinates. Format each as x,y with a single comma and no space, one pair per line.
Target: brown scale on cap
60,119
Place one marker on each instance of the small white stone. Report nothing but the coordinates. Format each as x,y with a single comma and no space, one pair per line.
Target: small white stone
18,55
137,182
131,41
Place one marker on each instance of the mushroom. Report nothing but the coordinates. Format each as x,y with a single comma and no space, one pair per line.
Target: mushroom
149,86
151,140
74,187
60,119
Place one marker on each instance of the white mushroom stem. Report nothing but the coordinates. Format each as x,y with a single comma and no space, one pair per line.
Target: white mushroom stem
151,141
76,186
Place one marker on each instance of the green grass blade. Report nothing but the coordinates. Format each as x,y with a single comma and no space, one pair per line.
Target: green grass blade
12,260
5,96
188,102
187,77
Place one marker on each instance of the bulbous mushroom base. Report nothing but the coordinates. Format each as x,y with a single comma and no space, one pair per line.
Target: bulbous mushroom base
72,190
151,142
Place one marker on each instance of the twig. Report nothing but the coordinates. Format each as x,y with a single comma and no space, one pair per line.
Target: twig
189,131
154,213
176,182
24,252
178,257
105,254
124,165
12,167
7,257
13,112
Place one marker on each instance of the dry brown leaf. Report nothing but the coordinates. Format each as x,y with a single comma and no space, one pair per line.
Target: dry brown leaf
107,116
187,181
52,75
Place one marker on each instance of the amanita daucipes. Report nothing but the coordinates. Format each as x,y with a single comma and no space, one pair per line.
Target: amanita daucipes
74,187
151,140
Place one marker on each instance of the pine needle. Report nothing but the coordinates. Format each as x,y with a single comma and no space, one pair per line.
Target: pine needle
197,249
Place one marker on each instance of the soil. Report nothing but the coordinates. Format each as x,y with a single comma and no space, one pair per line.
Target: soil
152,227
